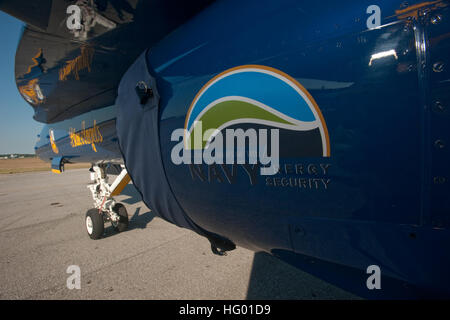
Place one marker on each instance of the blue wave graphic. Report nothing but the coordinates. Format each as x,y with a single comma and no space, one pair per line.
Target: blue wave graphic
258,86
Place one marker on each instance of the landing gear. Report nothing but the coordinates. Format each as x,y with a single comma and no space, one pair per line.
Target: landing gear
122,224
94,224
105,207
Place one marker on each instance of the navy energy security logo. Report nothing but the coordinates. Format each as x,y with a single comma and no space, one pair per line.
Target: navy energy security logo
258,97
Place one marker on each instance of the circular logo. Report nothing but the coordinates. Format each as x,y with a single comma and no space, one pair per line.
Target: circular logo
263,97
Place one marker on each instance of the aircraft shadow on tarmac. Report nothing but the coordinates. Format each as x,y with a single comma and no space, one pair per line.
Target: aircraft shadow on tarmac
137,220
132,194
270,278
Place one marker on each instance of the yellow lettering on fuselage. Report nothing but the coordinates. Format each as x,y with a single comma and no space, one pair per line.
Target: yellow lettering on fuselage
83,61
86,136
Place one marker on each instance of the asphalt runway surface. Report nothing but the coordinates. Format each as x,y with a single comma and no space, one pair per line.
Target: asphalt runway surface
42,233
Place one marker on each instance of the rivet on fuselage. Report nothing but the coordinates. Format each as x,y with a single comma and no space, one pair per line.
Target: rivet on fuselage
438,67
424,12
439,106
436,19
299,230
439,144
404,5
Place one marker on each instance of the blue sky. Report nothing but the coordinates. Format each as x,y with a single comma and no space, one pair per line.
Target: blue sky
18,130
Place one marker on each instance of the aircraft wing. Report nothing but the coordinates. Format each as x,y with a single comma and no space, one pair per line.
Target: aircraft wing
36,13
64,72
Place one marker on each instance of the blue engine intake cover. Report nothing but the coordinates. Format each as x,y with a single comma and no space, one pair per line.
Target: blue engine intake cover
138,133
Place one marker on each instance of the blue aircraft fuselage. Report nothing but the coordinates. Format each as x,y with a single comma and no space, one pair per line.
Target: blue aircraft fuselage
366,183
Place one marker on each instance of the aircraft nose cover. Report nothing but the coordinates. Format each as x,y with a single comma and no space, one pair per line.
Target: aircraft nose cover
138,133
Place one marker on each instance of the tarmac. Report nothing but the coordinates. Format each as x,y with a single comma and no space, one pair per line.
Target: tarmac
42,233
